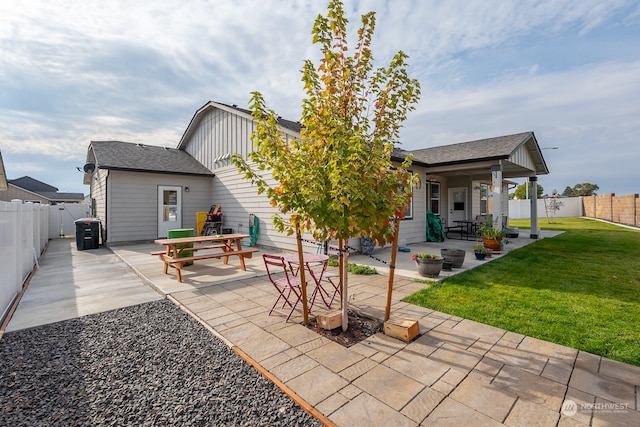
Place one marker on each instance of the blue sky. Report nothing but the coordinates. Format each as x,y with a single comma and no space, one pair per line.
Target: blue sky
77,71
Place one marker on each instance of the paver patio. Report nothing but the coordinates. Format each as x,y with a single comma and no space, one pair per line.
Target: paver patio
457,372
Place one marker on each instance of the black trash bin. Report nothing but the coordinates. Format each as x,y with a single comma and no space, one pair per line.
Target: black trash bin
87,233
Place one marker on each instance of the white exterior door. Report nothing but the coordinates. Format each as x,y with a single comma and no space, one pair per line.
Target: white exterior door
169,209
457,204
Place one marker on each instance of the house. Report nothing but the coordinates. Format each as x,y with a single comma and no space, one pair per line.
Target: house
138,191
141,191
31,190
4,186
463,180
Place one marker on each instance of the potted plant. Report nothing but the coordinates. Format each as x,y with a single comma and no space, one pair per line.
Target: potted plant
493,238
480,251
455,256
429,265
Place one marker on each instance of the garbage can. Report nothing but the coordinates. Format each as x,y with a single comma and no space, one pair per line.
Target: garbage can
182,232
87,233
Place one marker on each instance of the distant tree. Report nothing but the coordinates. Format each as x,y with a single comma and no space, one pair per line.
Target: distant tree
521,191
584,189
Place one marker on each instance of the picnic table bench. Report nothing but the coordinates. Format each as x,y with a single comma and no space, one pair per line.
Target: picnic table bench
176,248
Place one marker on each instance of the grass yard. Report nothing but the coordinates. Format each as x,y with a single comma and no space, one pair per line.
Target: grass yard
580,289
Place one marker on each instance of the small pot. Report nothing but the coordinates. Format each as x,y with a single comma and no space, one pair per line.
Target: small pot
480,255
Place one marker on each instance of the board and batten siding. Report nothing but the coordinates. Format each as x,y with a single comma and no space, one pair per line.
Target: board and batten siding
239,199
221,133
218,135
133,203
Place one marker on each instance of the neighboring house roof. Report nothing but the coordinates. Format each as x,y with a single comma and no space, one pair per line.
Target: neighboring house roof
482,150
289,125
33,185
44,190
3,175
118,155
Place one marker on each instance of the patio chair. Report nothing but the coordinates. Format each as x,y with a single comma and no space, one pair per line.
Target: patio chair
287,285
332,278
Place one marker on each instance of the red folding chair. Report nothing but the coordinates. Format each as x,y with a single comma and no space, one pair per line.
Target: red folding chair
287,285
332,278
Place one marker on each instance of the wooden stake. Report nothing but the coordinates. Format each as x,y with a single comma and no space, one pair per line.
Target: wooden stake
303,282
392,268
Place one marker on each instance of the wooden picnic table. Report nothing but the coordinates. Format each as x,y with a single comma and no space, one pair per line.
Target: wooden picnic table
226,245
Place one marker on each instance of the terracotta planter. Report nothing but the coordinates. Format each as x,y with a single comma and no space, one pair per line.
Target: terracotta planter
456,256
492,244
429,267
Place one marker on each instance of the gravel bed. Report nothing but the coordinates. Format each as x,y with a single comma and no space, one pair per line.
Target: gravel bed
149,364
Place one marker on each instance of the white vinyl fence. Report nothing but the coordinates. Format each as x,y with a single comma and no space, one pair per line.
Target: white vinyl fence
547,208
62,218
24,232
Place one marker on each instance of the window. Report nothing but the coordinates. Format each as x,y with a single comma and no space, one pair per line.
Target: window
433,197
408,210
484,192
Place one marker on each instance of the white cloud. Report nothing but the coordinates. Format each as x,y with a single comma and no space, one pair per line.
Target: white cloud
76,71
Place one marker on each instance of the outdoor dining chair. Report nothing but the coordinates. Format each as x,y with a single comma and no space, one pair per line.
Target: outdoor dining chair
287,285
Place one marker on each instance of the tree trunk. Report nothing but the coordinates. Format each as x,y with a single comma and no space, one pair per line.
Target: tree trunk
344,273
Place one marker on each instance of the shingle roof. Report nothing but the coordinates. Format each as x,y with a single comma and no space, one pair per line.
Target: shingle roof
45,190
33,185
500,147
145,158
287,124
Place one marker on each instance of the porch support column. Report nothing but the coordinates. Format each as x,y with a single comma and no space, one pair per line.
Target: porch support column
533,199
496,183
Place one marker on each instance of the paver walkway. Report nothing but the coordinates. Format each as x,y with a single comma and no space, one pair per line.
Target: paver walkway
457,372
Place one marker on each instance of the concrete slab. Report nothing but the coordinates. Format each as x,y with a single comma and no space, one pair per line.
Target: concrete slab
71,283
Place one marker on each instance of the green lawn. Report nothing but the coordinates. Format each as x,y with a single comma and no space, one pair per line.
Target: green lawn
580,289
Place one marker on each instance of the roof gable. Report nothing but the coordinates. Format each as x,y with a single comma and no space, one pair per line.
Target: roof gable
519,153
130,156
287,125
3,175
500,147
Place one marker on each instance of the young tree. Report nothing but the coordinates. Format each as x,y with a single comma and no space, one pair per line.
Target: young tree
337,181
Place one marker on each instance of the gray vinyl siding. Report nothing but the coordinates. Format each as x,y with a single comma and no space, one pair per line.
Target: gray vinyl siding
133,203
14,192
239,199
221,133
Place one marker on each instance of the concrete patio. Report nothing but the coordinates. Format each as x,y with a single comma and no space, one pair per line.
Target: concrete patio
457,372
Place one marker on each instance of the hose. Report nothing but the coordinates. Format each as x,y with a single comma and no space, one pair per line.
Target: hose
253,231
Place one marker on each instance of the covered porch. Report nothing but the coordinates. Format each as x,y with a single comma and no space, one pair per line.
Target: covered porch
464,181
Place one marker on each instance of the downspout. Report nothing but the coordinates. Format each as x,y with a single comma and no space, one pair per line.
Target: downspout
106,210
